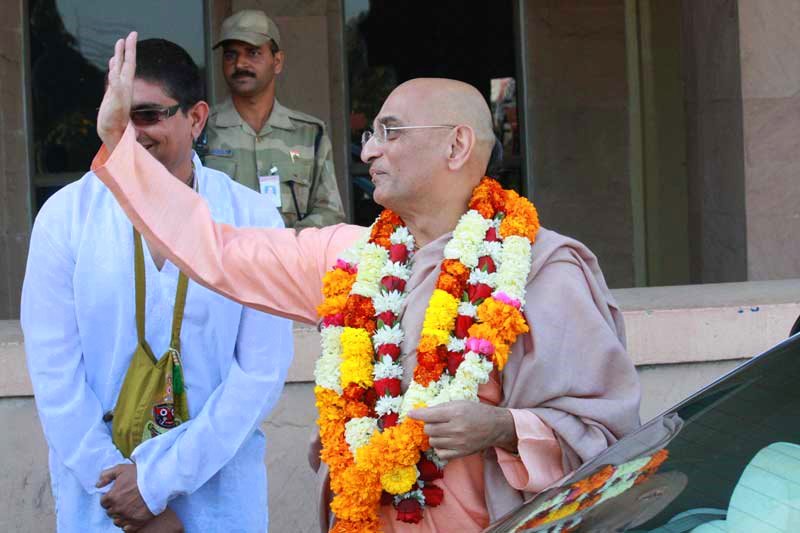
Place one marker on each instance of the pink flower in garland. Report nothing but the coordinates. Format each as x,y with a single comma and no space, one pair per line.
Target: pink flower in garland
481,346
506,299
347,267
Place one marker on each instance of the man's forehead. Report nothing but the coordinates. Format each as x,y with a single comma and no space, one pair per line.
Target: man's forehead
233,45
407,104
395,110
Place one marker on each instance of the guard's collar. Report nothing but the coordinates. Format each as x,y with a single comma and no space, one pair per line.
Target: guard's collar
228,116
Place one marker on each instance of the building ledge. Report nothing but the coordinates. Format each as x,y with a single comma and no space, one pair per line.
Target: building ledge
664,325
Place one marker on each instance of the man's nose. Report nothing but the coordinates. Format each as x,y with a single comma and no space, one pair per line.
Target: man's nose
370,150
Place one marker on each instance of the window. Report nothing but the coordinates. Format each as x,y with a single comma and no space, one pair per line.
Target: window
71,42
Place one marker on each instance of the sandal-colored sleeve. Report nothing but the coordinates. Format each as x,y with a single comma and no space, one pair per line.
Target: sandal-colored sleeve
538,461
273,270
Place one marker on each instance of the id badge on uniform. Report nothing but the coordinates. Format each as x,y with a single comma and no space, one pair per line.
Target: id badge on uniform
270,186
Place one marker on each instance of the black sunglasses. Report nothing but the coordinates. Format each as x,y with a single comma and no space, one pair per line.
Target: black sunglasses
152,115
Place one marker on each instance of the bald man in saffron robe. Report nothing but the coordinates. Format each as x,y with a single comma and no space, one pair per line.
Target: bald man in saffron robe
568,391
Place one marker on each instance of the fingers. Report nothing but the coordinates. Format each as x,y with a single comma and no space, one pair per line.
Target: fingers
106,501
128,68
123,64
115,61
447,454
123,524
107,476
433,415
443,442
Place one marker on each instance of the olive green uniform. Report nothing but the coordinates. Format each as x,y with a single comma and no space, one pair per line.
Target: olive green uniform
284,149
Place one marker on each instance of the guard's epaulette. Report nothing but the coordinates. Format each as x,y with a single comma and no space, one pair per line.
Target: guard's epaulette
299,116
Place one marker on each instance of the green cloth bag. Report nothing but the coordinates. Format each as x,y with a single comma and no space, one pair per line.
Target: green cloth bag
152,399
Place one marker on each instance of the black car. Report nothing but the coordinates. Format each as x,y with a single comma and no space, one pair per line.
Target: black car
725,460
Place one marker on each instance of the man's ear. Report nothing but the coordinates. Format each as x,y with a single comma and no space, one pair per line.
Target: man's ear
198,115
279,61
461,147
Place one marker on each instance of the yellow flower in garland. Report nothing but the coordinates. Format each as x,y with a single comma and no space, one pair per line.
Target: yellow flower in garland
357,355
356,371
399,480
440,317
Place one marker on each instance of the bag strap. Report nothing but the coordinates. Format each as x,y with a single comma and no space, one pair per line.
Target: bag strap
177,312
141,294
141,285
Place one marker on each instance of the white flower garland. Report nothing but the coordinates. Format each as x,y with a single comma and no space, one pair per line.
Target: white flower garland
358,431
370,264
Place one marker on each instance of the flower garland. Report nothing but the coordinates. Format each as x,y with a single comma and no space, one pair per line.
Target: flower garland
374,452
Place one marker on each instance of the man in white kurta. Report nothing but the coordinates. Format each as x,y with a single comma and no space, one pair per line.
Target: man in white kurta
78,317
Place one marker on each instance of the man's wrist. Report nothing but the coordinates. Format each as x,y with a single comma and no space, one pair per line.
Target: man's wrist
505,430
111,140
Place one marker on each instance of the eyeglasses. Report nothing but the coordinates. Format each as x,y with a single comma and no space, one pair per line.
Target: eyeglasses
381,134
152,115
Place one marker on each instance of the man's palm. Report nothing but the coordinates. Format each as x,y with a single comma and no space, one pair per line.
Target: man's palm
112,119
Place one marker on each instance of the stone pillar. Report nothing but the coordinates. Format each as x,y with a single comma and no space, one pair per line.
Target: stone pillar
715,157
15,193
770,85
577,109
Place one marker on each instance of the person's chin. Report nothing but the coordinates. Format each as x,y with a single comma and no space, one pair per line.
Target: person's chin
382,196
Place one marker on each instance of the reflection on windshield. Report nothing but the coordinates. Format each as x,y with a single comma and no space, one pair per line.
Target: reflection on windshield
726,460
571,503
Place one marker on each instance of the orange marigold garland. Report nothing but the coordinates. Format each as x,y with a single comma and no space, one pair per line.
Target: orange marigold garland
473,317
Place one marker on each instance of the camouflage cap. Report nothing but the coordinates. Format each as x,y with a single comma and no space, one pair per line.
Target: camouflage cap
251,26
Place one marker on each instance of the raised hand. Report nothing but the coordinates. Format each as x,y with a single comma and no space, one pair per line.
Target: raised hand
114,113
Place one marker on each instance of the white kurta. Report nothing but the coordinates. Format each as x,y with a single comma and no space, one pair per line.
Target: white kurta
78,317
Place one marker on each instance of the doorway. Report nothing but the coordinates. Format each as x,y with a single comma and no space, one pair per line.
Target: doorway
387,43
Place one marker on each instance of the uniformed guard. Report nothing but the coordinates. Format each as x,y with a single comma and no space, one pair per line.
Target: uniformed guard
284,154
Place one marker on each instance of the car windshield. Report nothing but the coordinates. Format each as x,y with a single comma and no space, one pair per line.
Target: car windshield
727,459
